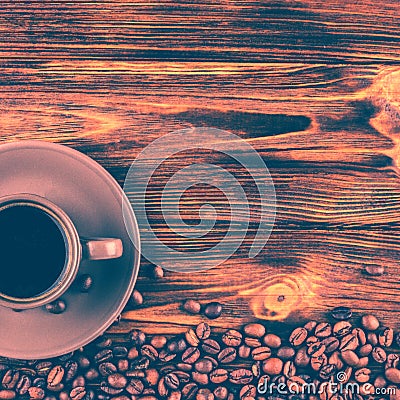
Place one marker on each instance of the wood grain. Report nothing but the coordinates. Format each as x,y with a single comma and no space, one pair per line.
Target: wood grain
313,87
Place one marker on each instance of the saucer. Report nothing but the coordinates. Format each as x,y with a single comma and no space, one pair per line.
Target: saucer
93,200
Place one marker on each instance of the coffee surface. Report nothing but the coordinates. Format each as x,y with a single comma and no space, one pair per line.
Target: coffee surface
32,251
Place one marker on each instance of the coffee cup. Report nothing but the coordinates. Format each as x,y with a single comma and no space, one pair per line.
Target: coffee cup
41,251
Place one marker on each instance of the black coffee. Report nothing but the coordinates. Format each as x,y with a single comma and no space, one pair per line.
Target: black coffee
32,251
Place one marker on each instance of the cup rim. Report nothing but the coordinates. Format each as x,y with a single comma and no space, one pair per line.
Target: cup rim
72,257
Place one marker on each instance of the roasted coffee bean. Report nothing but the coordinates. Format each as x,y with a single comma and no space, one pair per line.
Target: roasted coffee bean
272,341
252,342
162,387
232,338
272,366
298,336
43,368
350,358
10,394
393,375
341,313
91,374
323,330
203,331
380,382
213,310
140,363
23,384
219,375
158,341
286,353
316,349
227,355
247,391
184,367
175,395
261,353
189,391
210,346
71,369
289,369
369,322
385,337
327,371
78,381
348,342
133,353
103,356
55,375
183,377
256,369
375,270
123,365
310,326
302,359
149,351
254,330
192,306
166,356
152,376
372,338
379,355
177,346
221,393
362,375
192,338
136,337
191,355
311,340
84,283
318,362
331,344
241,376
172,381
204,394
103,342
244,351
365,350
360,335
392,360
204,366
119,352
110,390
342,328
83,362
200,378
77,393
56,307
107,368
36,393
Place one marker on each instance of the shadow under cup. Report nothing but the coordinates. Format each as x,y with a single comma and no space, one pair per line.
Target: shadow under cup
35,253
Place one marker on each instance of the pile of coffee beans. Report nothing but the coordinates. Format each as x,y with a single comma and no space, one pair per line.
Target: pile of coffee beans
246,364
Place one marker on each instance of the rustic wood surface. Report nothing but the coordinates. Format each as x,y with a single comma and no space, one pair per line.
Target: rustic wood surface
313,86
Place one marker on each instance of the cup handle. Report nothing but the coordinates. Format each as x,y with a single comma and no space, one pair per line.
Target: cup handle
101,248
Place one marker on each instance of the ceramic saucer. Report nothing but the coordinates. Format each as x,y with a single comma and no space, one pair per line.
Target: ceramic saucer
93,200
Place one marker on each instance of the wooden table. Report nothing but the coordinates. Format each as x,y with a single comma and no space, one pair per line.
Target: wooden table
313,86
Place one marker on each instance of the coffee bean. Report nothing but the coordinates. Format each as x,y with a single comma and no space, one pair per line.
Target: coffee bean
136,337
323,330
318,362
83,362
272,341
272,366
261,353
213,310
298,336
192,338
91,374
247,391
107,368
350,358
175,395
203,331
149,351
244,351
84,283
204,394
184,367
200,378
375,270
117,381
380,382
172,381
210,346
227,355
9,394
36,393
241,376
331,344
221,393
252,342
348,342
191,355
119,351
370,322
393,375
327,371
183,377
310,326
336,360
365,350
289,369
385,337
140,363
157,272
316,349
392,360
379,355
162,387
254,330
192,306
136,298
77,393
302,359
166,356
232,338
362,375
341,313
56,307
176,346
204,366
312,340
342,328
189,391
158,341
103,355
360,335
43,368
55,375
219,375
286,353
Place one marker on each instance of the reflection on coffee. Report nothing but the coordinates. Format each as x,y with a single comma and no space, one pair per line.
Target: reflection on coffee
32,251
